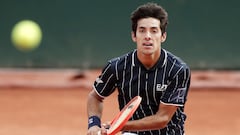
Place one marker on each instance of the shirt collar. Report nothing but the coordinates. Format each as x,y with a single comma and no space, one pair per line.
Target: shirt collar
160,63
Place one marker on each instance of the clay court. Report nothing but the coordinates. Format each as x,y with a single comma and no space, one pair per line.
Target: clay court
53,102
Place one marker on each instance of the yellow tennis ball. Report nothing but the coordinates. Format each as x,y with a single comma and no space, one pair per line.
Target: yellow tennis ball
26,35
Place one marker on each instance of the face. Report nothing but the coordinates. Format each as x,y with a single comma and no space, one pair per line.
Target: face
148,36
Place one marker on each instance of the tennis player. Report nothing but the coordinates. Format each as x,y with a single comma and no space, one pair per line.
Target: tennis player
158,76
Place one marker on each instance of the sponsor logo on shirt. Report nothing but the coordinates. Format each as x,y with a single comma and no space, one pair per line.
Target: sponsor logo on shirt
161,87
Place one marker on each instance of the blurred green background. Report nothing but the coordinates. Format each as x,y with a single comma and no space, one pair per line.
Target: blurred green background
85,34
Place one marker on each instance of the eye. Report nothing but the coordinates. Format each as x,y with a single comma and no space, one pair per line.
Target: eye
154,30
141,30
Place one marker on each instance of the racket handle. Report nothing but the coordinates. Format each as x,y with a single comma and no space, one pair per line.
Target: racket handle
99,133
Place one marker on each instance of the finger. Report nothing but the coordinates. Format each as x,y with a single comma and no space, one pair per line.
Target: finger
106,126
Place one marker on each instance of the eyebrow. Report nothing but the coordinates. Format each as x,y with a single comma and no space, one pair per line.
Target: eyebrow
141,27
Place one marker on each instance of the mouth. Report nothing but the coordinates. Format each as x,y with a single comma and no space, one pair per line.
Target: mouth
147,44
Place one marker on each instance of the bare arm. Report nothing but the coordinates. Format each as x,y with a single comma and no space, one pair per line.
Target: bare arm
94,104
94,108
157,121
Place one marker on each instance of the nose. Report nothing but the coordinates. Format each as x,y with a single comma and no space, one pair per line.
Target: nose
148,36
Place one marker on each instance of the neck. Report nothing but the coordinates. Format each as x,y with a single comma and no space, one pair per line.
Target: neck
148,60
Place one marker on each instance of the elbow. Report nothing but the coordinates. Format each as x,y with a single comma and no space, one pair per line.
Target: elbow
164,122
93,96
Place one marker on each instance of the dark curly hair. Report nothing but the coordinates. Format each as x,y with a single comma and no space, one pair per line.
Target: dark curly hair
150,10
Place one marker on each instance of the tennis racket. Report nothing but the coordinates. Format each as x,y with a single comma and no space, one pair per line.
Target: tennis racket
123,116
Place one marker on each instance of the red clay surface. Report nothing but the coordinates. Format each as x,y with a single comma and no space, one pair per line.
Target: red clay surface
53,103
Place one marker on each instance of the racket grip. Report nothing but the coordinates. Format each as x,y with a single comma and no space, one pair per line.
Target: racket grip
99,133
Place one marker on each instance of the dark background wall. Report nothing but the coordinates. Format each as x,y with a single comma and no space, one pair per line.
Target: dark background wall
85,34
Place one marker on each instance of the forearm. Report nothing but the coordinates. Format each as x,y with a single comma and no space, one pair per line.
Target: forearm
156,121
94,111
148,123
94,105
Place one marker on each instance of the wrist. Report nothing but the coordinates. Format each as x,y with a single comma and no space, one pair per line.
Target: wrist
94,121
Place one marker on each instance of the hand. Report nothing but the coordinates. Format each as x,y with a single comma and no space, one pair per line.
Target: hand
95,130
104,129
106,125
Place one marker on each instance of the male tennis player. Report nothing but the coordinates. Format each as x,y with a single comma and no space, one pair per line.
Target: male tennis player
159,77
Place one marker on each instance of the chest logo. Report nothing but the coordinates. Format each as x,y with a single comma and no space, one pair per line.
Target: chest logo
161,87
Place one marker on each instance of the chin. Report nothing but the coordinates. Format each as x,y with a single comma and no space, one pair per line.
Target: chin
148,52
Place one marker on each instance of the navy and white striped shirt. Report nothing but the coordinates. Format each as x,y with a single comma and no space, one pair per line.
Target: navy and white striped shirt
167,82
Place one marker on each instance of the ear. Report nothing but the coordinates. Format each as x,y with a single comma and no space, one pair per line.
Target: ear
133,36
164,37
